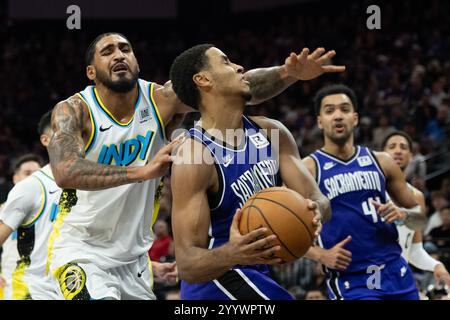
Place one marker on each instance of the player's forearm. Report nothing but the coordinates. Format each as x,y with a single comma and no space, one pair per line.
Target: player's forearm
324,205
83,174
315,253
200,265
415,219
266,83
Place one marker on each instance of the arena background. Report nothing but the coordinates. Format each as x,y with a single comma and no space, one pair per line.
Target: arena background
401,74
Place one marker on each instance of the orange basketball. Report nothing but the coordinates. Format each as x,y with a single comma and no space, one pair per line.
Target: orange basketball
284,213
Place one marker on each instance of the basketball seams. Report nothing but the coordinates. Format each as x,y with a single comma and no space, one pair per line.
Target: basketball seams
273,232
293,213
250,206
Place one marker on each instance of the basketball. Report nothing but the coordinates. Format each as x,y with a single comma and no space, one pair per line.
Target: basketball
284,213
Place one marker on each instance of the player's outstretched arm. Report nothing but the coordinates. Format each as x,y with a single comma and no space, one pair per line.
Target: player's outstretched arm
266,83
401,195
191,220
66,152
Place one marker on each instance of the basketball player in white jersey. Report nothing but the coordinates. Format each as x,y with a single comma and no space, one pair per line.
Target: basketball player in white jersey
108,153
23,168
31,209
398,145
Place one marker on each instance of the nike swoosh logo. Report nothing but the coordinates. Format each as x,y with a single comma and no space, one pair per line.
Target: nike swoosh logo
141,272
104,129
52,192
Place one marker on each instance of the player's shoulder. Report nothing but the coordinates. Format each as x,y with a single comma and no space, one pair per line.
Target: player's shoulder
74,105
26,187
267,123
192,152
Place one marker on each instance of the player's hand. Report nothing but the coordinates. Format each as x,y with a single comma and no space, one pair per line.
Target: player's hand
253,248
390,212
166,271
337,257
305,66
160,164
317,220
441,275
2,282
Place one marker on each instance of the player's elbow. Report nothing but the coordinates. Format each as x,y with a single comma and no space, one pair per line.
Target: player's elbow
63,179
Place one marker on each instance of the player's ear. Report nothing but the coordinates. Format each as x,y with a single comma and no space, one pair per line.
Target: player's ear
356,118
319,122
202,80
45,139
90,72
15,179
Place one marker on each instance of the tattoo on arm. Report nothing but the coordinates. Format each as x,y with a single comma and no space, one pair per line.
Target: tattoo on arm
66,152
266,83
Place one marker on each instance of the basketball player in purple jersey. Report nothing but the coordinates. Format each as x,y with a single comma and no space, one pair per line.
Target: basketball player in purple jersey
214,260
355,180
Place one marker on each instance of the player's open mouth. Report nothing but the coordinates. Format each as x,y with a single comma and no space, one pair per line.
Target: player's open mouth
119,67
339,128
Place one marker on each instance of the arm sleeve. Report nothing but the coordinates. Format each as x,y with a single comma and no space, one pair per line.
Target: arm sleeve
23,201
419,258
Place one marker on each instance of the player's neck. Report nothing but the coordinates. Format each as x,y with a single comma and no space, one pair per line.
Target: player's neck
344,151
121,105
222,113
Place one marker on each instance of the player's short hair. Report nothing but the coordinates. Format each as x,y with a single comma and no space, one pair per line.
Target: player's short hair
45,122
183,68
26,158
90,52
398,133
334,89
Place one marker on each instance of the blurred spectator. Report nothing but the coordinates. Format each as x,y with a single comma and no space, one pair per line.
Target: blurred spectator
439,201
162,245
441,236
379,133
315,294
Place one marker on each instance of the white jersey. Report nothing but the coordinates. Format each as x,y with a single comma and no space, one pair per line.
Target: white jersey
8,264
111,227
405,234
31,209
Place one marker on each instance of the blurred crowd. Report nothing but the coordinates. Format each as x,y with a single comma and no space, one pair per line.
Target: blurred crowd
401,75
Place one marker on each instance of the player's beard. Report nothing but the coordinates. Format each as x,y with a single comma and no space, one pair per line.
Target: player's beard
342,139
122,85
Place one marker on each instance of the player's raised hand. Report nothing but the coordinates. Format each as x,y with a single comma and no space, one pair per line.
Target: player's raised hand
441,275
254,247
161,162
337,257
317,220
305,66
389,212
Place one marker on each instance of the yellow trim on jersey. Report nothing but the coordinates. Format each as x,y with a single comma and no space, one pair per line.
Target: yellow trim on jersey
163,127
41,208
2,293
20,290
109,113
91,117
156,201
64,210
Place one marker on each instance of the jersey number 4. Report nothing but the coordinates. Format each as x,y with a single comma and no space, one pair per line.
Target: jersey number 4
370,210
